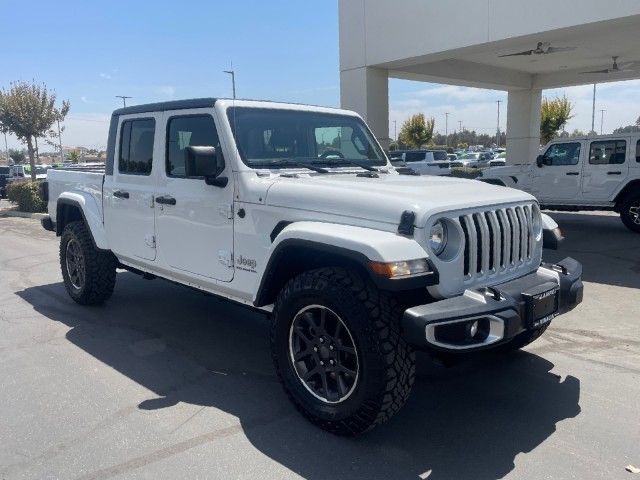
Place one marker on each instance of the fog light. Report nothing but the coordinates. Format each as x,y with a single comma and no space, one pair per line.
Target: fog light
472,329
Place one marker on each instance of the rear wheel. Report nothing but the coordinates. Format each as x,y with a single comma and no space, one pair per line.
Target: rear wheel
337,348
630,212
89,274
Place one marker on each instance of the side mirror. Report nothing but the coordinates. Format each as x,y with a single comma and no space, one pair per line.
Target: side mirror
206,162
540,161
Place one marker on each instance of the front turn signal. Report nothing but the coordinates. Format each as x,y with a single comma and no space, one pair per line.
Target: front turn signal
403,268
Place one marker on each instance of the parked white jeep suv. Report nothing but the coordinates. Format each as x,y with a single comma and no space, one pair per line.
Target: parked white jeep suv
296,211
592,173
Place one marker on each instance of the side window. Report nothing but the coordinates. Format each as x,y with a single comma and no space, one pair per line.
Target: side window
607,152
638,151
562,154
136,146
188,131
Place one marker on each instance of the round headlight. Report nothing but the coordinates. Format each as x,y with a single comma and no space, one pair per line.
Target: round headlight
536,222
438,237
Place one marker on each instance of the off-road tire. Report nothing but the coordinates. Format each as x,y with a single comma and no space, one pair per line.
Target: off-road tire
524,339
630,201
386,361
99,267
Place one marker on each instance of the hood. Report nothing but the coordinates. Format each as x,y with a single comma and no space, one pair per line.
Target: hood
384,199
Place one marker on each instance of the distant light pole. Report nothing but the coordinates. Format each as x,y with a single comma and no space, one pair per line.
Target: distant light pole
232,72
124,99
395,130
446,128
498,128
460,125
601,120
593,110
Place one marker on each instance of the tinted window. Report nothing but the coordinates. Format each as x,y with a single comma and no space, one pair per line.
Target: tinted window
136,146
195,130
414,156
562,154
607,152
5,170
638,151
439,155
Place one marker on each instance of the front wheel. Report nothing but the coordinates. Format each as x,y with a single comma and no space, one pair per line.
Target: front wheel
337,348
89,274
630,212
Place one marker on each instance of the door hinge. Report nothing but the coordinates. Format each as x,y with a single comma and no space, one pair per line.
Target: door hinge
226,210
225,257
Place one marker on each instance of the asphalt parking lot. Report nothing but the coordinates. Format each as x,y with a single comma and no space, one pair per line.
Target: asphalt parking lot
164,382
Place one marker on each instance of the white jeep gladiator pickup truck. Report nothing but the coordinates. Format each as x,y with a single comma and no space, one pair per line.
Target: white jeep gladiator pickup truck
587,173
296,210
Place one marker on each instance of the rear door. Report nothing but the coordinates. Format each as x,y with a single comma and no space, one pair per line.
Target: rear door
128,197
195,220
559,180
606,168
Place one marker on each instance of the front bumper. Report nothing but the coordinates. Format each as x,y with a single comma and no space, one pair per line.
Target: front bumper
490,316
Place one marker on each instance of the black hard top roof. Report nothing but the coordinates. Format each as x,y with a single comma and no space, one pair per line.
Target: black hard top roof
172,105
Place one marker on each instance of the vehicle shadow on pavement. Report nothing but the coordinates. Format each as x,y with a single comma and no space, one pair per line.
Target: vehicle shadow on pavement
607,250
468,421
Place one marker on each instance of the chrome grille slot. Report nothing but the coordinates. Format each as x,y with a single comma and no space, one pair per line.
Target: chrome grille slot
497,240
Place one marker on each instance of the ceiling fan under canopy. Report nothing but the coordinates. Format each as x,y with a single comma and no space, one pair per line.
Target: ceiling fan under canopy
615,68
542,48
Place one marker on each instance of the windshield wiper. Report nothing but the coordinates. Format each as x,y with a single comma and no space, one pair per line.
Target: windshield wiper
293,162
355,163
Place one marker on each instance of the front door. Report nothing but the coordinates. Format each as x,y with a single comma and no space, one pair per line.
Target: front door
128,196
194,220
606,168
558,180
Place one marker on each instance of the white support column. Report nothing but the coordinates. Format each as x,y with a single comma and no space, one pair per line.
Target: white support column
523,125
366,90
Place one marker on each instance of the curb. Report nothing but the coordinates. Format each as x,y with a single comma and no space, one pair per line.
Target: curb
17,213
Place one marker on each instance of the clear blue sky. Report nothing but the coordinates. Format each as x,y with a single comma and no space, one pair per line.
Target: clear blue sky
287,50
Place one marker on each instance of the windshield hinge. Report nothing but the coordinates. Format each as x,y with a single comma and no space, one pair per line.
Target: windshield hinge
226,210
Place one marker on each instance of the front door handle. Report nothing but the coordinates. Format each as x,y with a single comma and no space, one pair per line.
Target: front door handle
614,173
573,173
166,200
120,194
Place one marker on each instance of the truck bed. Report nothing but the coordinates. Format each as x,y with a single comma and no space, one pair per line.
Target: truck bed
80,180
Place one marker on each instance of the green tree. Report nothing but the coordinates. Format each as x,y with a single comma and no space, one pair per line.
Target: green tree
554,114
18,156
28,110
74,156
416,131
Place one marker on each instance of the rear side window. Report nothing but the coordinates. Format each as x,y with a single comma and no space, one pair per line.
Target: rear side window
188,131
562,154
638,151
607,152
136,146
414,156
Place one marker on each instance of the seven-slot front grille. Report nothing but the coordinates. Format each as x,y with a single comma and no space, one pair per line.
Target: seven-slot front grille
497,240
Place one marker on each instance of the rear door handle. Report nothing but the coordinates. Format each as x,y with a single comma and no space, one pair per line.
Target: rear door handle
166,200
573,173
121,194
614,173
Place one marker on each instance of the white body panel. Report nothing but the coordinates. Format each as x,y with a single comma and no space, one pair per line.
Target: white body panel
593,179
195,241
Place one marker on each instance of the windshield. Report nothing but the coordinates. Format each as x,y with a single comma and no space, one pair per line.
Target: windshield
5,170
324,139
468,156
41,170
